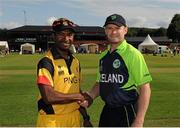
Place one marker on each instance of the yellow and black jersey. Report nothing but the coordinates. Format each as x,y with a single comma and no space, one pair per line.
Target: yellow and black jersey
63,75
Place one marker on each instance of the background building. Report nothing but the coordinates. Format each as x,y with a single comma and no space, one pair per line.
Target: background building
42,38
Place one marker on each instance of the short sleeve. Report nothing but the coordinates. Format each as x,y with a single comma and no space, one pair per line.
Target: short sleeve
80,73
139,70
99,66
45,72
98,75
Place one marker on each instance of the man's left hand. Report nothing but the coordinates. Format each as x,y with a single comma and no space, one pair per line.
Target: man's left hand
137,123
87,98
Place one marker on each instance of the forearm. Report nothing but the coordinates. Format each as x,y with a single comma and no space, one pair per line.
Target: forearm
60,98
90,96
94,91
143,102
53,97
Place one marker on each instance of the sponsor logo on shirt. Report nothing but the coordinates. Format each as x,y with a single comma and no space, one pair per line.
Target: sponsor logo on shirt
70,79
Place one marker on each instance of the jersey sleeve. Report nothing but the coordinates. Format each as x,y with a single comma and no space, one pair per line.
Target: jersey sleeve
99,66
45,72
98,75
139,70
80,74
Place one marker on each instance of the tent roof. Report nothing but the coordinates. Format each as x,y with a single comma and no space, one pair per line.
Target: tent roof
4,43
148,42
27,44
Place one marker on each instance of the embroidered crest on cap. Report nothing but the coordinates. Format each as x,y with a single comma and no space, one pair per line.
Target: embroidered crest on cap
113,17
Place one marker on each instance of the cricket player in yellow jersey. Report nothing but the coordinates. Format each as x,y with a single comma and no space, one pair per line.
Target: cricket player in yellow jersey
58,80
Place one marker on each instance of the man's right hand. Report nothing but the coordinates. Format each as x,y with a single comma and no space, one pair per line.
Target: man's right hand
88,100
80,97
83,103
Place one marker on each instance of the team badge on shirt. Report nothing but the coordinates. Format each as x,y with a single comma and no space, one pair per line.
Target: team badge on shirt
116,63
60,70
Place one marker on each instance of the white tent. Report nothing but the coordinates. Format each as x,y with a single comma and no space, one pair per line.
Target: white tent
164,49
4,44
89,48
4,48
27,48
148,46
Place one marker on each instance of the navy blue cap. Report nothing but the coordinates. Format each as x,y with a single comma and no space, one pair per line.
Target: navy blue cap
115,19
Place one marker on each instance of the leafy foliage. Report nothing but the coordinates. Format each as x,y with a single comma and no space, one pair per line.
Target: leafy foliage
173,30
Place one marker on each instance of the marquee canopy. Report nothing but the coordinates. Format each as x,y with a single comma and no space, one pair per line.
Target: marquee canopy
27,48
148,45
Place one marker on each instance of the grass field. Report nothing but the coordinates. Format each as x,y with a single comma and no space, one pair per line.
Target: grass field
18,91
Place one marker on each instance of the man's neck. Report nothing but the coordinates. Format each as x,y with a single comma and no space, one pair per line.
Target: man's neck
64,53
114,46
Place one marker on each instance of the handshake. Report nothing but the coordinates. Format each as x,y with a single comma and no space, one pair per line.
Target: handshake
87,100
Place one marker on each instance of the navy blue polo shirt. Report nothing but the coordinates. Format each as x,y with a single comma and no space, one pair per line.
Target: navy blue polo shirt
119,74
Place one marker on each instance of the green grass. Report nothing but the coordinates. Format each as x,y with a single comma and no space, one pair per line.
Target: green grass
18,91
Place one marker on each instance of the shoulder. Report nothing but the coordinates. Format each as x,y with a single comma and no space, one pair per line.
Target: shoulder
45,62
132,51
75,58
103,54
47,57
47,54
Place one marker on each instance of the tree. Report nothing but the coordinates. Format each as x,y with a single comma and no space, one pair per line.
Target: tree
160,32
173,31
3,34
145,32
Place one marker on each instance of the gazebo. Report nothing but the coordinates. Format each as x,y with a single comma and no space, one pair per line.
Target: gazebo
148,46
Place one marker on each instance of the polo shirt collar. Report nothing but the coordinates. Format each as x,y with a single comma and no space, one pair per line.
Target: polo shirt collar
121,46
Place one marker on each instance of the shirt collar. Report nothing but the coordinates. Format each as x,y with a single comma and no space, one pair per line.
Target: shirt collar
121,47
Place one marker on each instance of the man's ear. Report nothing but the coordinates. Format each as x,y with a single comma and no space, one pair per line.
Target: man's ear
105,31
126,30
